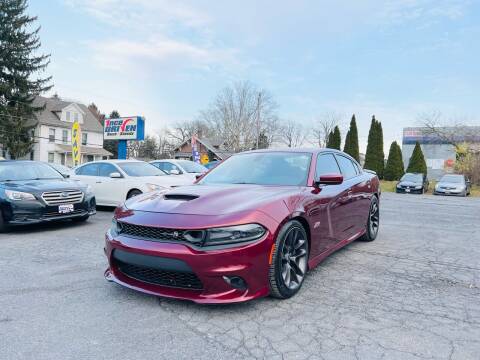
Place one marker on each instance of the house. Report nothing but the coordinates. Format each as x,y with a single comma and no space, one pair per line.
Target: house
53,132
212,148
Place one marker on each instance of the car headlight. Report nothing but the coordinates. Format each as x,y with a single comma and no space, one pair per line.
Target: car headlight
114,227
18,195
154,187
232,234
418,187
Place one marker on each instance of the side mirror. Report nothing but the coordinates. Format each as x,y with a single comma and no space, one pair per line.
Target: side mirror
174,172
66,176
330,179
115,175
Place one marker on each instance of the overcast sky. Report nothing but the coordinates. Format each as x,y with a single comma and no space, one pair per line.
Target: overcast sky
166,60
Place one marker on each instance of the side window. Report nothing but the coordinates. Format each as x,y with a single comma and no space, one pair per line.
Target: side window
106,169
167,167
346,166
326,164
88,170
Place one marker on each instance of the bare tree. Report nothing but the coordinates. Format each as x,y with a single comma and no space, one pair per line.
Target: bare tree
292,134
182,131
240,114
324,126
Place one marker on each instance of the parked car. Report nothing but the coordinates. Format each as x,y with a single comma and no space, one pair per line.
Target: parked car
414,183
211,164
114,181
453,184
32,192
180,167
244,231
62,169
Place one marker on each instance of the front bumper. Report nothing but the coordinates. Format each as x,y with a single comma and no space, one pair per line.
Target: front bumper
448,192
249,262
35,212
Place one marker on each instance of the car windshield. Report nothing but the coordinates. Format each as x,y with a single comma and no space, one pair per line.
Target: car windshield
412,177
457,179
263,168
191,167
17,171
140,169
60,168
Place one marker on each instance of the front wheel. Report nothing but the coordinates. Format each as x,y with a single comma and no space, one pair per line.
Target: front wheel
373,221
289,261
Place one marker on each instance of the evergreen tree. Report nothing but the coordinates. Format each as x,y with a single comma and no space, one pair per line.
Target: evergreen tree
351,140
417,162
394,169
381,154
330,140
112,145
19,84
375,157
334,139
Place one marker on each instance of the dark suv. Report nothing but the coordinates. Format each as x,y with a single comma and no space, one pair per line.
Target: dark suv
32,192
415,183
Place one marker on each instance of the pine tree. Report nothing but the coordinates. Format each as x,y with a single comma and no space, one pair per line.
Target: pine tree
375,157
18,85
351,140
370,155
417,162
334,139
330,140
381,154
394,169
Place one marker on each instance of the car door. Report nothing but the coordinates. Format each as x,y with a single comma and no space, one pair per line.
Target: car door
325,209
87,174
110,191
352,198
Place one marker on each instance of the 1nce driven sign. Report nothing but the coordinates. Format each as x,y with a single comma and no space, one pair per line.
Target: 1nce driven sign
127,128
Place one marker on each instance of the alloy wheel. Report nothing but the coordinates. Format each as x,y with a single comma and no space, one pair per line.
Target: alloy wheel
294,258
374,219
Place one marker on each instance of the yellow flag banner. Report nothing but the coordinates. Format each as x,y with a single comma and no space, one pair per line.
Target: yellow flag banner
76,133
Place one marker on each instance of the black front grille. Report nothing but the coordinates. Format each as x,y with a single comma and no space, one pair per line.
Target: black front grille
54,214
149,232
175,279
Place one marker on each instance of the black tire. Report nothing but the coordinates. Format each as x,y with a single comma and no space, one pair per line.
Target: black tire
133,193
289,261
3,226
373,221
81,219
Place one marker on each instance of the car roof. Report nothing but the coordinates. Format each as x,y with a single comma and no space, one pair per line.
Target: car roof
295,150
112,161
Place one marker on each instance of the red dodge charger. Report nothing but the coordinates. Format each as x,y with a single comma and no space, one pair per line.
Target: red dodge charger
253,226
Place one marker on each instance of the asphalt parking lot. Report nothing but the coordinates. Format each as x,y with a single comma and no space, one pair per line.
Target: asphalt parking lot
412,294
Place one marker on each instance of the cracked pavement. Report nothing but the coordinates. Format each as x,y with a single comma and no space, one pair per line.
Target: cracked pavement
414,293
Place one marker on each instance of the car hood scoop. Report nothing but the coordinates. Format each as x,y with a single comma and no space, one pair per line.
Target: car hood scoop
180,197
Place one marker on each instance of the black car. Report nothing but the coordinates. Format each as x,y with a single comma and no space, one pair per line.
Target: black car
453,184
415,183
32,192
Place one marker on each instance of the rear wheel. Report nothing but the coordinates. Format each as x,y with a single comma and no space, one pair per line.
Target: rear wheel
373,222
133,193
289,261
3,226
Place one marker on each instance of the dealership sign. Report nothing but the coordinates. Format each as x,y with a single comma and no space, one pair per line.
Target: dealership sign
126,128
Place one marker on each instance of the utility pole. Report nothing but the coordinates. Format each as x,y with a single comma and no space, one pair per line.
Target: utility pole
259,99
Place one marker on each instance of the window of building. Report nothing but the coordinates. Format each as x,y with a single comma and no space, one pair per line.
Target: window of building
75,116
84,138
68,115
51,135
63,159
64,136
51,157
90,158
346,165
32,155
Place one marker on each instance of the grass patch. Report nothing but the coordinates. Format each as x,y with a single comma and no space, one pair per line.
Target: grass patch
389,186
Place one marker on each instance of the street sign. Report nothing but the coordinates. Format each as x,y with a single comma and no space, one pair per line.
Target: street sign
204,159
76,144
125,128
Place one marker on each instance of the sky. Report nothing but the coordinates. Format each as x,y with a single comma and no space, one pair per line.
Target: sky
167,60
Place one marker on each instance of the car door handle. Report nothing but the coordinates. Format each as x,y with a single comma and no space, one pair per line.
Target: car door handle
98,182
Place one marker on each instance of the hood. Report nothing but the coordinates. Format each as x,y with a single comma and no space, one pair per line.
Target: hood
166,180
43,185
410,183
212,199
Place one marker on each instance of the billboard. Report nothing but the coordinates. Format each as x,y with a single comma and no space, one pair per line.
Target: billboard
125,128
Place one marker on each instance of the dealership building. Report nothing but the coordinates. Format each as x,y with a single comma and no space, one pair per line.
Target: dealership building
439,154
53,132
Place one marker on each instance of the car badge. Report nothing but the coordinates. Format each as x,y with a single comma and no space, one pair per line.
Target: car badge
176,235
64,195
